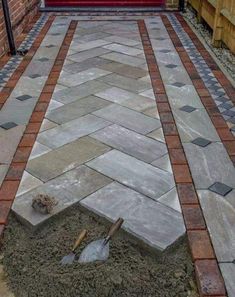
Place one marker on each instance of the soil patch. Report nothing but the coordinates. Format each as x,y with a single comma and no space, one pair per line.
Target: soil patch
31,262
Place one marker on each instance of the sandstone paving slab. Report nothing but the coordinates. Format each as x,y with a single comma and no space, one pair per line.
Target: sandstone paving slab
65,158
210,164
95,52
140,176
38,150
9,141
46,125
123,49
228,272
72,94
93,36
76,109
53,105
125,59
41,68
192,125
79,47
126,83
219,213
158,135
177,74
148,220
152,112
126,98
131,143
45,52
128,118
67,189
71,131
76,79
29,86
122,40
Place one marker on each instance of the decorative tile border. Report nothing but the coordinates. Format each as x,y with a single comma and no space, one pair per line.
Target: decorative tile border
226,136
209,278
12,180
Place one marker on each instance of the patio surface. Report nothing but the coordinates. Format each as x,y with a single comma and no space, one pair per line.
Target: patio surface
79,121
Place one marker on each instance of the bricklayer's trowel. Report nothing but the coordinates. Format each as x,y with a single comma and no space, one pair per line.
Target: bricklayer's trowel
99,250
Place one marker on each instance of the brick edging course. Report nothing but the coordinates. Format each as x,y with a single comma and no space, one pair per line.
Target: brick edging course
209,278
13,177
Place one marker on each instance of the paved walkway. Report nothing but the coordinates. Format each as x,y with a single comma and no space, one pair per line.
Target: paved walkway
93,83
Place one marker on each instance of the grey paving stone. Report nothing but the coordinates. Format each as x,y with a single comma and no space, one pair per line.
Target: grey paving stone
72,94
228,272
74,110
38,150
123,49
123,69
67,157
122,40
125,59
220,188
72,80
8,125
40,68
95,52
134,173
127,98
192,125
131,143
68,189
71,131
220,217
209,165
80,47
125,83
139,213
201,142
171,199
163,163
128,118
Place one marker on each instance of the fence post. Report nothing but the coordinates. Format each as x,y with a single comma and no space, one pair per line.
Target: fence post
217,28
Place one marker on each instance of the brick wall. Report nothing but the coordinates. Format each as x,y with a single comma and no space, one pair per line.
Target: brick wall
21,13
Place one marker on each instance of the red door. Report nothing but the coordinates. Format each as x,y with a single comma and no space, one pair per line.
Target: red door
105,2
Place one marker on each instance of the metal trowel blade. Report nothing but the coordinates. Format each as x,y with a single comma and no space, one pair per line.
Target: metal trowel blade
95,251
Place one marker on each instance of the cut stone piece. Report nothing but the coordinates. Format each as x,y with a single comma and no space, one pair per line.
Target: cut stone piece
68,189
129,142
201,142
188,108
220,188
24,97
8,125
130,119
139,214
140,176
65,158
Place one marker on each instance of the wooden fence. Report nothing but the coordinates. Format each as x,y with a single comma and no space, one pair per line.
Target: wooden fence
220,16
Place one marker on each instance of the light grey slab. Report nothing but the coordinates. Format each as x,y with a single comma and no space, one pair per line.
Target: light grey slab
140,176
163,163
158,135
174,75
150,221
72,94
56,162
131,143
29,86
127,98
228,272
171,199
28,182
125,83
123,49
209,165
80,47
71,131
95,52
219,213
121,40
38,150
125,59
76,109
192,125
76,79
67,189
129,118
39,67
45,52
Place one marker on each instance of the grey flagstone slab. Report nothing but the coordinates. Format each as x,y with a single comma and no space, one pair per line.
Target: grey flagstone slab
228,272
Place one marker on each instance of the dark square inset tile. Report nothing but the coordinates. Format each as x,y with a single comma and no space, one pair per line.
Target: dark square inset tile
160,38
220,188
171,66
201,142
50,46
24,97
34,76
165,51
188,108
43,59
178,84
8,125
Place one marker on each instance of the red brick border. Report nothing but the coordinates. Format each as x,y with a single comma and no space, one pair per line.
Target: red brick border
209,279
12,180
10,85
217,119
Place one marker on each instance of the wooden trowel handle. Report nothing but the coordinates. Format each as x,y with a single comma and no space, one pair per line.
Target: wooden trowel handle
79,240
115,227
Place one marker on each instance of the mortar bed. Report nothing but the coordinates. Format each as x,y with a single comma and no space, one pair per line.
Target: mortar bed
31,262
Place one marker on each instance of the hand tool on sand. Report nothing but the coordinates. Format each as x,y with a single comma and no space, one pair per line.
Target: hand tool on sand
70,257
99,250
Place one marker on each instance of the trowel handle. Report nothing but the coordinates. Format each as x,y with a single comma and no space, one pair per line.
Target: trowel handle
115,227
79,240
